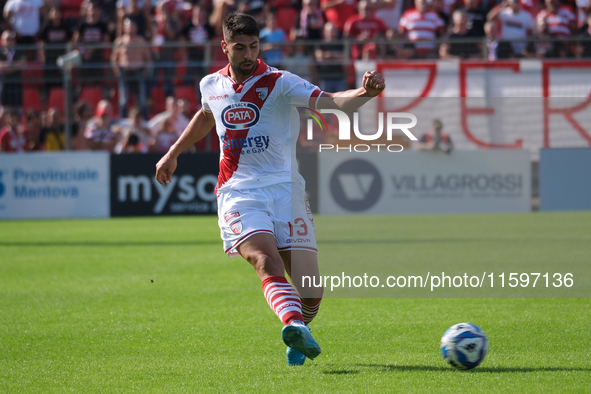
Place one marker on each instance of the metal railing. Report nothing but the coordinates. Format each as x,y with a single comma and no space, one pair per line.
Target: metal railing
184,64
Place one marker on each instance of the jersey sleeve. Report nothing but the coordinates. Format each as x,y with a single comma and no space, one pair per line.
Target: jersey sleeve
402,22
204,101
298,91
569,14
347,30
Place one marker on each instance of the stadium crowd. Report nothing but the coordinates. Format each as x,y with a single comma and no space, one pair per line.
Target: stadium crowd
137,86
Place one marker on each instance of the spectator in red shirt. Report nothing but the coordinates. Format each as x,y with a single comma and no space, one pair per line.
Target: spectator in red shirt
338,11
421,26
364,27
12,138
557,22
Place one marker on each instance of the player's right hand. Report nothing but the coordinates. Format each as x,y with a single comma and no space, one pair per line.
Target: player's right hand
164,169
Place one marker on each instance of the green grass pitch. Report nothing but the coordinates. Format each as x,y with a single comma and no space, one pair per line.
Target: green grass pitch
153,305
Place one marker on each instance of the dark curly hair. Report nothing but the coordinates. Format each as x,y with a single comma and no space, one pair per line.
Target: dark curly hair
238,23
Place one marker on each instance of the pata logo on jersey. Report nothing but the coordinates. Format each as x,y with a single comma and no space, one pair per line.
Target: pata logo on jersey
240,116
391,119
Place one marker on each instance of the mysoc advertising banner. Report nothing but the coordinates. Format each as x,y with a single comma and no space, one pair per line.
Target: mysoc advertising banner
135,192
54,185
424,182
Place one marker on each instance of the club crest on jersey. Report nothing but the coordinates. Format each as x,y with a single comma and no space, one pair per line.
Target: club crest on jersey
240,116
236,227
262,93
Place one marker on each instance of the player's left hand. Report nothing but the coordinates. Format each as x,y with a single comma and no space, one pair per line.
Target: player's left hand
373,83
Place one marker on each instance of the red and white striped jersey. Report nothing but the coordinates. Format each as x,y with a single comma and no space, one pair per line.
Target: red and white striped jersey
558,21
420,26
257,124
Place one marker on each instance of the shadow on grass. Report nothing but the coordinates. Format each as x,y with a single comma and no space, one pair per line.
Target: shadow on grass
108,243
404,368
342,372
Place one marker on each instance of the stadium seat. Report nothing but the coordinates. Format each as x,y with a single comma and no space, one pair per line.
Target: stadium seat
219,59
286,18
188,93
91,95
71,8
158,101
56,99
32,100
33,77
180,71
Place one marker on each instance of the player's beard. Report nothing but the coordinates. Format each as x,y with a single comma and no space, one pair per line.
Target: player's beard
239,70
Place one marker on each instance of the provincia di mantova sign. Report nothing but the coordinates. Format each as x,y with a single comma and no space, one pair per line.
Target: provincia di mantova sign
50,185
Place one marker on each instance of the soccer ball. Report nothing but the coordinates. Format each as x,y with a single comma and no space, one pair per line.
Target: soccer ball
464,346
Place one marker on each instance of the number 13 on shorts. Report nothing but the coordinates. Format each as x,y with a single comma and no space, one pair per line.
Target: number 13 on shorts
302,231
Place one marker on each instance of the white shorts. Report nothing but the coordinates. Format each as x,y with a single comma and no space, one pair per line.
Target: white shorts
282,210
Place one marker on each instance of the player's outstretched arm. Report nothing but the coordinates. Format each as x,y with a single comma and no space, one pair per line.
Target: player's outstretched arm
373,84
198,128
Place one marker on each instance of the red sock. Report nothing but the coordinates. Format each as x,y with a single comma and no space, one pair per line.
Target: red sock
283,299
309,311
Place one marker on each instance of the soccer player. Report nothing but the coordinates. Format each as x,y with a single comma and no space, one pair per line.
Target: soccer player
263,212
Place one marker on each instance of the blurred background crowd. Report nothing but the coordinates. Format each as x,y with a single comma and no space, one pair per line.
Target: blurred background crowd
141,61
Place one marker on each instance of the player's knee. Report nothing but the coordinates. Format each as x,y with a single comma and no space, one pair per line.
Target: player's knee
265,264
